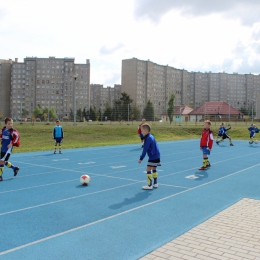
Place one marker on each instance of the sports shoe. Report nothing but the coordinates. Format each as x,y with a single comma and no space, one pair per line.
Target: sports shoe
231,144
208,166
217,142
54,152
155,185
147,187
1,178
202,168
16,169
250,142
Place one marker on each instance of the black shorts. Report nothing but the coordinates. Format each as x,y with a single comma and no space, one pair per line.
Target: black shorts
5,156
224,136
154,163
58,140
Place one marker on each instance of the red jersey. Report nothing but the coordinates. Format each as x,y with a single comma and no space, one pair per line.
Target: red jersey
206,138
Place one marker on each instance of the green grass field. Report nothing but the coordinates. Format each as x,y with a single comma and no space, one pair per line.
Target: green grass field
38,137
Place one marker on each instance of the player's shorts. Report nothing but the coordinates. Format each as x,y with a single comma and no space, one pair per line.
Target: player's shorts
6,155
141,136
58,140
154,163
252,136
224,136
205,150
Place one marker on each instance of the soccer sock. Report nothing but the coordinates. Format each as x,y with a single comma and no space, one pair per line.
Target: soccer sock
1,169
155,175
205,162
9,165
149,178
59,147
208,163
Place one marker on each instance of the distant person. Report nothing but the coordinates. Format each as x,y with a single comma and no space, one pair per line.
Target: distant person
206,143
152,150
225,135
57,136
252,131
220,134
139,131
9,138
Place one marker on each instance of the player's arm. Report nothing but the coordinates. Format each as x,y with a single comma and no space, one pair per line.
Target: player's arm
211,139
15,138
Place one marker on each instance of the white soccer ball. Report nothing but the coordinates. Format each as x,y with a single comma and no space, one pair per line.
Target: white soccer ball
84,179
256,141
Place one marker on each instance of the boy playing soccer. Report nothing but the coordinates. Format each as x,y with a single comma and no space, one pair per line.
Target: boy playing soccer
225,135
57,135
152,150
9,137
252,131
206,142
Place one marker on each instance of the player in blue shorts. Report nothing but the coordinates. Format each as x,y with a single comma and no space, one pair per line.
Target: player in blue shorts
57,135
252,131
8,138
152,150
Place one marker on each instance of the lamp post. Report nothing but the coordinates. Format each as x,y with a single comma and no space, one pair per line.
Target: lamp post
48,110
75,78
253,109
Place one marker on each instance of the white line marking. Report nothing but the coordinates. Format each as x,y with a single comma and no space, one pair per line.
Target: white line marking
86,163
117,167
119,214
57,160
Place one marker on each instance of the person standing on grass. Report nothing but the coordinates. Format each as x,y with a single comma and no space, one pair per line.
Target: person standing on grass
57,136
9,138
206,143
139,131
152,150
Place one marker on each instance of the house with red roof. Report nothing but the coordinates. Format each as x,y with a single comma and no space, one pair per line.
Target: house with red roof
181,113
215,110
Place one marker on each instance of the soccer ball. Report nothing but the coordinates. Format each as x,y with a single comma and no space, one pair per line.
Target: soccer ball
256,141
84,179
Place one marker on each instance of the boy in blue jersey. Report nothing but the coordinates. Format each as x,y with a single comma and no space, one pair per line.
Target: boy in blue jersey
152,150
225,135
252,131
8,140
57,136
220,134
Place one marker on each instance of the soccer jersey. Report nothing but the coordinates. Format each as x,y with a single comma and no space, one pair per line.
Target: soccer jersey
206,138
57,132
6,139
150,147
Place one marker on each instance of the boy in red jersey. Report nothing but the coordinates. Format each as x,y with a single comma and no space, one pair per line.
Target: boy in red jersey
206,142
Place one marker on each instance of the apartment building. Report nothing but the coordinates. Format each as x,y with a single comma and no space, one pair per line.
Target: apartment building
49,82
100,95
5,87
146,80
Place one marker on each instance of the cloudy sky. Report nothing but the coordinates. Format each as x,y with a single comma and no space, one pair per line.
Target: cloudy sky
196,35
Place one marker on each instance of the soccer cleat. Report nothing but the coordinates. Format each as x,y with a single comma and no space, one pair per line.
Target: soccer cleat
16,169
250,142
217,142
147,187
231,144
202,168
155,185
1,178
208,166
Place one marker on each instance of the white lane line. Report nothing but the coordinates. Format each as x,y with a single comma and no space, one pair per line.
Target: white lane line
117,167
120,214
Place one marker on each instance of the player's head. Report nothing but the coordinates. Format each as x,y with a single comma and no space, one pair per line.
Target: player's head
8,122
57,122
207,124
222,123
143,120
145,129
254,125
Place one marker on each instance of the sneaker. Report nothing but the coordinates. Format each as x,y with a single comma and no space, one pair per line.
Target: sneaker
16,169
60,152
155,185
147,187
231,144
250,142
208,166
202,168
54,152
1,178
217,142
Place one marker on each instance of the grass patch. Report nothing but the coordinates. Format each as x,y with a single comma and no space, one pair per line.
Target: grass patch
38,137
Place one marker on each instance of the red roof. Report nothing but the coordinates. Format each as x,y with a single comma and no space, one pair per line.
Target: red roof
215,108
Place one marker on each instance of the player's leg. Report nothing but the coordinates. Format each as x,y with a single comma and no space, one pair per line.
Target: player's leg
55,146
155,176
251,139
2,166
9,164
59,142
206,162
149,178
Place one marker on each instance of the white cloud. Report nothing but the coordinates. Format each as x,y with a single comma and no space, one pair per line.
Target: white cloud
196,36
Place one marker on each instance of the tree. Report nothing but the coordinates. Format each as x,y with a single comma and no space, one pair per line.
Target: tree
148,112
25,112
135,113
170,110
92,114
108,113
125,105
37,112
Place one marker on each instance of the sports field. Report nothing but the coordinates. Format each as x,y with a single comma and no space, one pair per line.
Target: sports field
46,214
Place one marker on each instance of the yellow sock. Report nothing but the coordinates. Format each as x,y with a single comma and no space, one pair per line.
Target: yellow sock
149,178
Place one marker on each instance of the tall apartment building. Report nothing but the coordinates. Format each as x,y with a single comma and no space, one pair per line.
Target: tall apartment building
5,87
100,95
145,80
49,82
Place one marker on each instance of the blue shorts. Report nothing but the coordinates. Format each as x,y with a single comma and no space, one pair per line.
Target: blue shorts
205,150
141,136
58,140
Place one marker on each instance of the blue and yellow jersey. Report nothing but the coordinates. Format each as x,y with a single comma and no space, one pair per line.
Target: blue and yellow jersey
57,132
6,139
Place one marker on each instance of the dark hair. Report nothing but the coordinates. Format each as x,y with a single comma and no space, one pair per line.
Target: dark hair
7,119
147,127
57,120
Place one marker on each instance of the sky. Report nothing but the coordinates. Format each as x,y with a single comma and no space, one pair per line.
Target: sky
195,35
